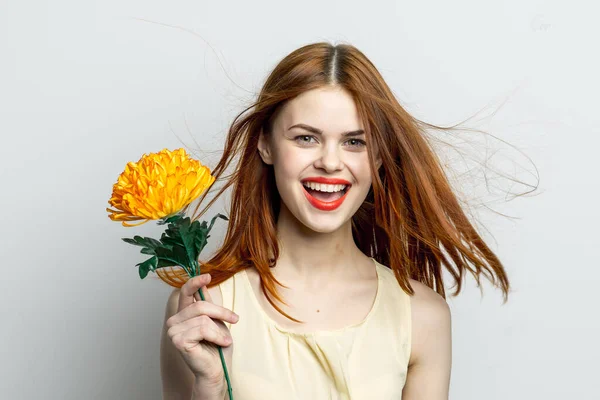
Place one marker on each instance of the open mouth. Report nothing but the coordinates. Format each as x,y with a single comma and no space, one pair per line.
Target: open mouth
327,196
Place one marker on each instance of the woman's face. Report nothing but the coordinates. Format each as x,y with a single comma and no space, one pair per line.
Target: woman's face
315,136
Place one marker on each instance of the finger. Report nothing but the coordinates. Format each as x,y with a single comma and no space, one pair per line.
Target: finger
186,294
189,338
206,333
203,308
202,320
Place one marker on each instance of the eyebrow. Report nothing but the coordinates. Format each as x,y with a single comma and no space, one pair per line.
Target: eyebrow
320,132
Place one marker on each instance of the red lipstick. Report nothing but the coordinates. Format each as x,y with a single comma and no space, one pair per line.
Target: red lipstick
330,181
326,205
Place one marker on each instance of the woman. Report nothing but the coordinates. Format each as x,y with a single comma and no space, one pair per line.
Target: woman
329,282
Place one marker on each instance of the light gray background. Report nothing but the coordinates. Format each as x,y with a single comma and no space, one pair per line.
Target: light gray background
87,86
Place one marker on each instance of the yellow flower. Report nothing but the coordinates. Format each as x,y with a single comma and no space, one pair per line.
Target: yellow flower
157,186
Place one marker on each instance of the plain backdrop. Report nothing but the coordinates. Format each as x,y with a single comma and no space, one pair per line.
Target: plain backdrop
86,86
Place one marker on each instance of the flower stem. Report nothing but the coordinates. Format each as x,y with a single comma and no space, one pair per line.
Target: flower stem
196,269
229,390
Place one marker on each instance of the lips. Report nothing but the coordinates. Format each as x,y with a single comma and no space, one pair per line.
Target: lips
325,205
330,181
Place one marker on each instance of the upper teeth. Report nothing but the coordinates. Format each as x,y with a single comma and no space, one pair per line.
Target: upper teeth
322,187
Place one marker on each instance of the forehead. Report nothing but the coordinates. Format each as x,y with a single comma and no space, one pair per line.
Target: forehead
332,110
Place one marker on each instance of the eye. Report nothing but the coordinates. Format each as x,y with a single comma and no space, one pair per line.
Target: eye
358,143
303,141
361,143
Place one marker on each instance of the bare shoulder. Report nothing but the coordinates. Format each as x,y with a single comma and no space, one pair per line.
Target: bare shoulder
431,319
431,346
430,305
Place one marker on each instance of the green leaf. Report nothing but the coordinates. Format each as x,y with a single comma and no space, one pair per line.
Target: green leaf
162,263
199,241
136,241
146,266
188,234
152,242
180,254
149,244
172,218
172,230
212,221
176,255
198,235
169,242
143,241
180,244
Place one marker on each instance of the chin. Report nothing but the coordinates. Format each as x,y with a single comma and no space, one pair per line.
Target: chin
323,224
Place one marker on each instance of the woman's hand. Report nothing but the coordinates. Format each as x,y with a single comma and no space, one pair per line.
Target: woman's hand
196,330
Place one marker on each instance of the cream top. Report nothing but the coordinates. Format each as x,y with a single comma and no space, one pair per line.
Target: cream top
367,360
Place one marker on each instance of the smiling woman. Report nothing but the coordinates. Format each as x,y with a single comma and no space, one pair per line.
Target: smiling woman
342,222
328,158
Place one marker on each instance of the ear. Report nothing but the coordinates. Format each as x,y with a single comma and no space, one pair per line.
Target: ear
378,163
378,160
264,149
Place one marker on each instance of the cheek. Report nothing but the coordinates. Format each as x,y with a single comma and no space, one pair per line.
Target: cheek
359,168
287,171
291,162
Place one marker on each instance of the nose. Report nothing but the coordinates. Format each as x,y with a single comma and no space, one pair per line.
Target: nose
330,160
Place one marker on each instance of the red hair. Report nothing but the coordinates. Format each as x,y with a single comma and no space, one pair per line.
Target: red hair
411,220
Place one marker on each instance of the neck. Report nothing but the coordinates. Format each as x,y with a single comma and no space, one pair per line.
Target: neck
312,257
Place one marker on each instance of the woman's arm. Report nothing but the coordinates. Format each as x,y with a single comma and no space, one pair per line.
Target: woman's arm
178,381
428,375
